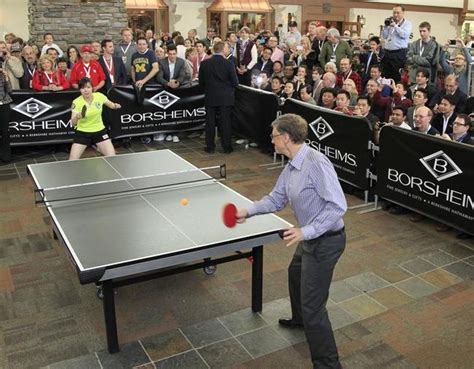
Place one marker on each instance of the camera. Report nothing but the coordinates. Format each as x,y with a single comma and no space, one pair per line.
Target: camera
452,42
388,21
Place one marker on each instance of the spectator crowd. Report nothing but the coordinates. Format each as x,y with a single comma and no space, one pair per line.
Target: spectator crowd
414,83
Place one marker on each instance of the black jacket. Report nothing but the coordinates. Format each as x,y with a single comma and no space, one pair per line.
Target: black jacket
218,78
120,72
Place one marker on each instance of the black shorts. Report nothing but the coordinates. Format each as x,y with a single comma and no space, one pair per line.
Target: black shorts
90,138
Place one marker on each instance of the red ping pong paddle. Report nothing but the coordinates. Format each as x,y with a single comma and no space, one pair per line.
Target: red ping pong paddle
229,215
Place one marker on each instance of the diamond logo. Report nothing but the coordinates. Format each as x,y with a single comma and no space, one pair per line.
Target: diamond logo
164,99
32,108
440,165
321,128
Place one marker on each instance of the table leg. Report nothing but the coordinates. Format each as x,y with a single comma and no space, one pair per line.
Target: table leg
110,319
257,278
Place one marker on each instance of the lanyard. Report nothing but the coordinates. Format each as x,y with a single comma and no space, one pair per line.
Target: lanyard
31,72
348,76
334,47
422,48
126,49
110,69
88,71
50,79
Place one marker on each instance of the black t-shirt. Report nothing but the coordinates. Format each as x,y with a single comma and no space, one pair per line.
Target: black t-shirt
142,63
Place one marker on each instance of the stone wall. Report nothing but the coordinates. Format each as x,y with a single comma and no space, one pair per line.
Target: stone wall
76,21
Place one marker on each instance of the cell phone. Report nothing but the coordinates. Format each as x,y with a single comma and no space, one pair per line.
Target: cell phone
386,81
452,42
299,47
381,124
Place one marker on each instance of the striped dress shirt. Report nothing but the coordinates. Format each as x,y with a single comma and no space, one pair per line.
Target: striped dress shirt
309,184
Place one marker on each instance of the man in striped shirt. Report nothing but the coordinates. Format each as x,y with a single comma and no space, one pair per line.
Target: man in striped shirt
309,184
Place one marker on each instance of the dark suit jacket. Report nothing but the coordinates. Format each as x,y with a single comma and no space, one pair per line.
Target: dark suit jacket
268,67
163,76
120,72
26,79
317,51
459,96
218,78
437,122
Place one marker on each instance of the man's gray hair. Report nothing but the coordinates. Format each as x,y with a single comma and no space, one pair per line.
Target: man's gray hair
293,125
334,32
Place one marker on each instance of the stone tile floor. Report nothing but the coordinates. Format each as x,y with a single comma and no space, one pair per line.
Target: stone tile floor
402,293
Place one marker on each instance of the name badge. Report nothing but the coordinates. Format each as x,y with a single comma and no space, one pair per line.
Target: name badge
124,59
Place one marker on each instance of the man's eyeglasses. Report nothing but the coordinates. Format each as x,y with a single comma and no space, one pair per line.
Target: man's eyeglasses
272,136
421,116
458,124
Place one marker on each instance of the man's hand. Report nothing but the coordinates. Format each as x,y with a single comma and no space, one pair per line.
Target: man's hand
241,215
173,83
293,235
139,83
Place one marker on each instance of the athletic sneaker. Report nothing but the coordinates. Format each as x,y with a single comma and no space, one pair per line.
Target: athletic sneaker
175,138
169,138
159,137
253,144
240,141
145,140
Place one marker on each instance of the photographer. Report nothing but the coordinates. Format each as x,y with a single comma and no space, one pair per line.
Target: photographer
11,65
459,67
5,100
396,33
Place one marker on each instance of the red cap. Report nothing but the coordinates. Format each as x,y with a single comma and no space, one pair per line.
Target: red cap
86,49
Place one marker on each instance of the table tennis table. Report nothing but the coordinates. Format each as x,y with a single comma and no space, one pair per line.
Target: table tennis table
121,221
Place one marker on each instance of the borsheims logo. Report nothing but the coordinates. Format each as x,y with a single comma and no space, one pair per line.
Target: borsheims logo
32,108
321,128
440,165
164,99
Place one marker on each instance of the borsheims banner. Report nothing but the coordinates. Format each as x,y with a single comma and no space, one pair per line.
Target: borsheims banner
44,117
254,111
342,138
162,110
429,175
41,117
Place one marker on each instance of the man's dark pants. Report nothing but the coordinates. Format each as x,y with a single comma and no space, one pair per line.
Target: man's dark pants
225,126
5,153
309,277
393,61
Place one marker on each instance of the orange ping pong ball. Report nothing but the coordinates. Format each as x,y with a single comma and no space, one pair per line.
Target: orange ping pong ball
184,202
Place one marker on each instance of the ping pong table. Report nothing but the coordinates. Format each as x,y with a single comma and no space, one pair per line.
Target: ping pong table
121,222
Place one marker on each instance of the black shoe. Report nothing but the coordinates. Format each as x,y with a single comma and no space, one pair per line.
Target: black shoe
209,150
227,151
290,323
398,210
464,236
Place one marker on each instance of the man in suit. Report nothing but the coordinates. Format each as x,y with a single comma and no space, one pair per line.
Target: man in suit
443,121
451,87
318,42
420,98
171,69
218,78
264,63
113,66
373,56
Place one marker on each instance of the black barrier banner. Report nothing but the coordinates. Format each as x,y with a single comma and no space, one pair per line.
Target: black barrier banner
162,110
429,175
342,138
254,111
41,117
